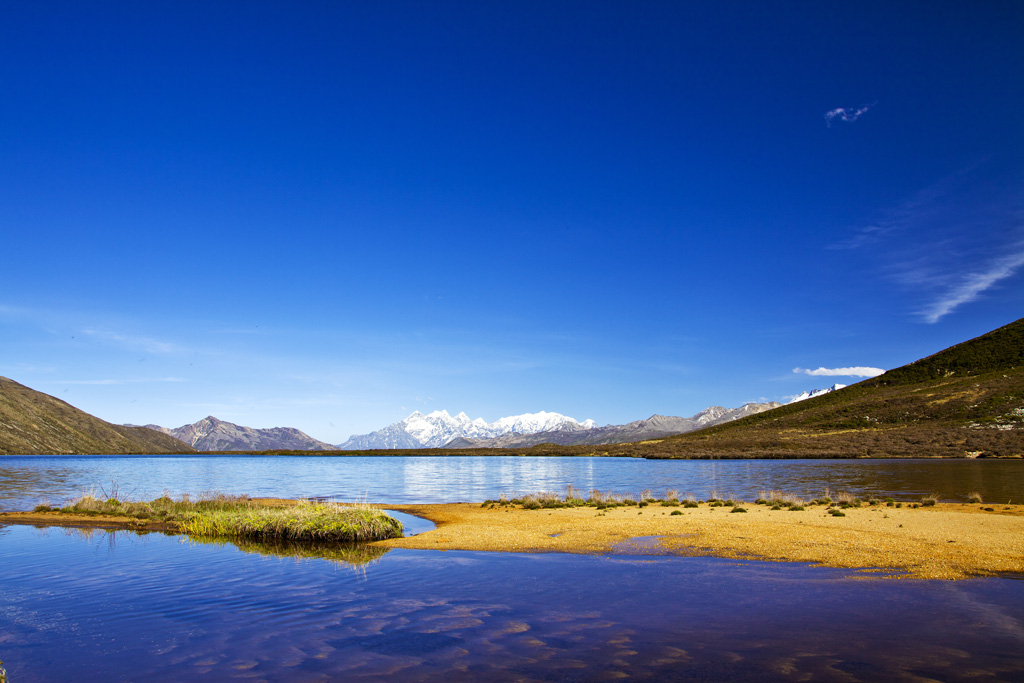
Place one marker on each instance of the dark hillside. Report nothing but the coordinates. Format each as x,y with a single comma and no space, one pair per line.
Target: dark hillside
965,401
34,423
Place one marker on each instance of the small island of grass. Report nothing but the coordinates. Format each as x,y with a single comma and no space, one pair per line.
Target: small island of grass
216,515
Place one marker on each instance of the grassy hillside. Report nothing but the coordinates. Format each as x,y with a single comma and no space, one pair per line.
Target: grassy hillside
966,401
34,423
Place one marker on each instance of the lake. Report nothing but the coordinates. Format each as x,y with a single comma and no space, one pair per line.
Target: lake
26,481
118,606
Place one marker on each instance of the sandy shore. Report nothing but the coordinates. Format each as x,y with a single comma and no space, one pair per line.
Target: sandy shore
947,541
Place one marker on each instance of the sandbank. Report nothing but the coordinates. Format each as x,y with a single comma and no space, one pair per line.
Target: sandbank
946,541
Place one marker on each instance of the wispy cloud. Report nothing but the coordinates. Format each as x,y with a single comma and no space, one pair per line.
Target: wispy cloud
949,243
138,343
135,380
973,285
847,114
858,371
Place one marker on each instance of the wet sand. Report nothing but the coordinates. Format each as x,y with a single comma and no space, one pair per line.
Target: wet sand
947,541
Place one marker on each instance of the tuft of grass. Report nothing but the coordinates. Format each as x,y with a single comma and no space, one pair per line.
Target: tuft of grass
846,499
779,499
213,514
306,521
737,508
974,497
929,500
676,512
836,512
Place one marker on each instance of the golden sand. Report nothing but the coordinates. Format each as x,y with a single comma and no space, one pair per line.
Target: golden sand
947,541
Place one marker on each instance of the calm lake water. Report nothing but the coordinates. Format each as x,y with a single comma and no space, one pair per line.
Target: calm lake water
117,606
26,481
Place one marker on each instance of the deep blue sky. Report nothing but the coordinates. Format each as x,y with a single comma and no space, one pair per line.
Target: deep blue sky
327,215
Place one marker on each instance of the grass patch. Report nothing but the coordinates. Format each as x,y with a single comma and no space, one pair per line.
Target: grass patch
219,515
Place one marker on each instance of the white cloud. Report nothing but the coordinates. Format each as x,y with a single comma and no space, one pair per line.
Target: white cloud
859,371
848,115
972,286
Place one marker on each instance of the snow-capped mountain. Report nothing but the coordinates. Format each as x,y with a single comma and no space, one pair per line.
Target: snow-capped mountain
654,427
817,392
438,428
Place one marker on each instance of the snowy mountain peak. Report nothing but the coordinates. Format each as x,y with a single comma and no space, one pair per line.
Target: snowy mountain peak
803,396
439,427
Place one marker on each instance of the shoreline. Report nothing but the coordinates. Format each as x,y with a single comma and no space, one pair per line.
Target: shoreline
945,541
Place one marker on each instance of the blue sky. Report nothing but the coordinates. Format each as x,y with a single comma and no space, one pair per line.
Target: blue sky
328,215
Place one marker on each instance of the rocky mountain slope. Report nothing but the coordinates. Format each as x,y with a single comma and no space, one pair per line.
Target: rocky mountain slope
34,423
438,428
654,427
211,434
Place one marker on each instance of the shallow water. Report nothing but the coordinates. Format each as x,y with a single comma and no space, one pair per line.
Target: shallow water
115,606
26,481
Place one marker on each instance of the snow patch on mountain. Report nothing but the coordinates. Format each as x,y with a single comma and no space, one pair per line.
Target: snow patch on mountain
803,396
435,429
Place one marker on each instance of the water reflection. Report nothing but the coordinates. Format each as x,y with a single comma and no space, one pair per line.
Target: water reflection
357,555
27,481
155,608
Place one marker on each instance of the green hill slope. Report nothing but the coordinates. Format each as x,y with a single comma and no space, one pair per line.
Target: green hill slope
966,401
34,423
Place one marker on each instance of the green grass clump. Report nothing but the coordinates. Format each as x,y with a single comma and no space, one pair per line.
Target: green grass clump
836,512
303,522
221,515
676,512
928,501
737,508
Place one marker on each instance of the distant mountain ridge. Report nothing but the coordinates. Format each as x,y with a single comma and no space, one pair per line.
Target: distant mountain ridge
438,428
34,423
211,434
654,427
803,396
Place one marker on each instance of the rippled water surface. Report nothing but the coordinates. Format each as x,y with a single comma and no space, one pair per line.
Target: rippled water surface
26,481
114,606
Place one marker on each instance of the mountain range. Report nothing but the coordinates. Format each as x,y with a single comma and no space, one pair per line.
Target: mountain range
965,401
437,429
654,427
211,434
